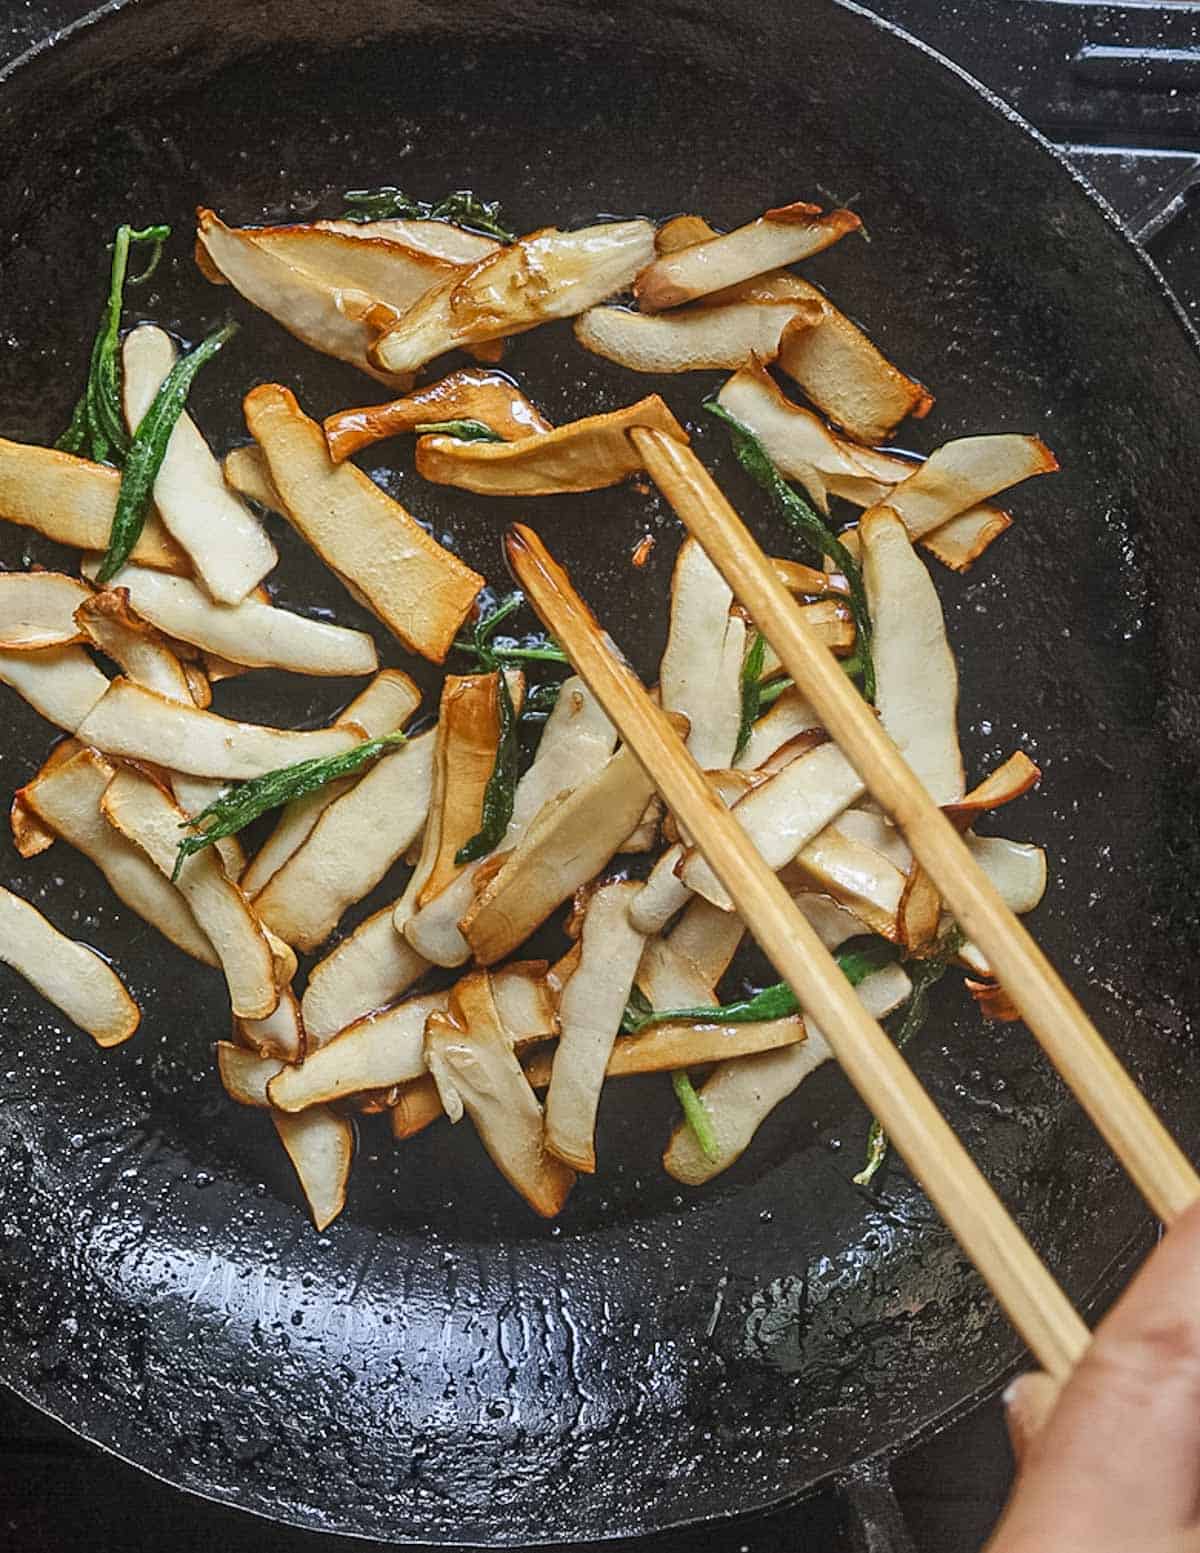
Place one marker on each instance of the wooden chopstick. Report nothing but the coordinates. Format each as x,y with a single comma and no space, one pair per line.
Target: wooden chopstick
1035,1304
1109,1096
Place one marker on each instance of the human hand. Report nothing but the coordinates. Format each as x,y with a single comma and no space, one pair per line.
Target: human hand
1112,1463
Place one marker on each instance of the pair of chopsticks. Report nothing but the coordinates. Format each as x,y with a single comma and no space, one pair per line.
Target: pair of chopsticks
1026,1290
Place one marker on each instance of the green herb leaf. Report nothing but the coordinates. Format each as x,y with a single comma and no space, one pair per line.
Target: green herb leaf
752,688
234,810
147,450
770,693
695,1113
501,786
461,208
801,516
926,974
540,702
490,656
465,431
97,424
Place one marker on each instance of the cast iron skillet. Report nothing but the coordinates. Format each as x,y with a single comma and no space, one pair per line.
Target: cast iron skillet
438,1367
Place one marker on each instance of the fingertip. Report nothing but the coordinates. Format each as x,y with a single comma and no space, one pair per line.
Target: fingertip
1028,1403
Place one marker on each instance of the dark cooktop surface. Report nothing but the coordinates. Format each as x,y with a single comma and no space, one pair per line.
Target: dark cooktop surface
1118,88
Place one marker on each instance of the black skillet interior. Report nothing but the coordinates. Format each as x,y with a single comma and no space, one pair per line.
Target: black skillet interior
438,1366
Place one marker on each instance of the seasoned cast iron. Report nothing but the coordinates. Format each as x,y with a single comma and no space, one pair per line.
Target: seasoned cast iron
440,1367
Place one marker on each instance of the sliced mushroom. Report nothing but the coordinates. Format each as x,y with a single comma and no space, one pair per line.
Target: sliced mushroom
856,877
959,475
916,676
245,470
1017,869
60,683
353,844
707,938
281,1034
471,394
696,339
226,543
380,1050
253,633
440,238
73,501
701,670
138,724
476,1070
245,1074
320,1145
585,455
68,974
788,718
590,1012
149,817
829,620
338,320
37,609
549,274
663,895
784,814
367,971
31,836
570,841
848,378
67,800
418,589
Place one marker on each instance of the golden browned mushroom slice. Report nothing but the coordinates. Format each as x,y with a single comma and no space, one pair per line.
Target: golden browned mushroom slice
575,743
72,501
439,238
590,1012
856,877
67,800
781,237
320,1145
338,320
37,609
585,455
68,974
476,1070
916,676
471,394
280,1035
830,622
848,378
245,1074
784,814
225,542
570,841
383,707
381,1050
549,274
31,835
245,471
61,683
701,670
959,475
367,971
138,724
668,1046
253,633
786,719
807,580
150,818
697,339
418,589
353,844
741,1094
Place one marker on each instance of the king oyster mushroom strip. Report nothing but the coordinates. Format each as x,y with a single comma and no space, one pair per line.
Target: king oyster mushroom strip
438,238
320,1145
698,339
30,834
471,394
37,609
62,684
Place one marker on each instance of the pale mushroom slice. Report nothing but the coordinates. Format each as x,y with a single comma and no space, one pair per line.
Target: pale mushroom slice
338,320
707,938
67,800
383,707
584,455
31,835
37,609
418,589
367,971
225,542
471,394
320,1145
68,974
440,238
62,684
281,1034
784,814
696,339
1018,870
257,634
789,716
959,543
959,475
352,846
829,620
149,817
701,670
590,1010
72,500
576,741
573,837
857,877
547,275
778,238
848,378
245,471
138,724
915,673
476,1070
663,895
245,1074
377,1052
